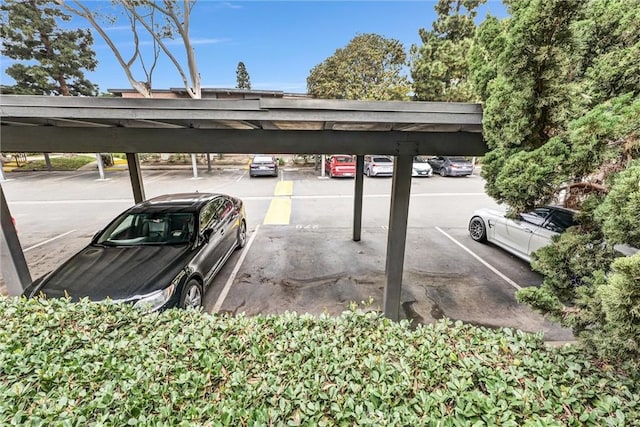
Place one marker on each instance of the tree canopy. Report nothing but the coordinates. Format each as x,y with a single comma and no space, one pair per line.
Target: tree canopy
49,60
242,77
369,67
439,66
560,85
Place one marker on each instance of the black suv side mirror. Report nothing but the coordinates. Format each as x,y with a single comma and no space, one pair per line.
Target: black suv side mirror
206,234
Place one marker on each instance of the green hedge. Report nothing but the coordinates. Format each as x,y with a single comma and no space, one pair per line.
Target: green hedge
107,364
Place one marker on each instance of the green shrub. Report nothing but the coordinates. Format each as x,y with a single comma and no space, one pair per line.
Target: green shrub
59,163
107,364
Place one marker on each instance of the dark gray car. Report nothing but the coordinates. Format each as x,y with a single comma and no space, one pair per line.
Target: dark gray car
263,165
451,166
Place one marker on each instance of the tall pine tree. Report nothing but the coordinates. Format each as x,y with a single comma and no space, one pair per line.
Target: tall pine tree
242,77
49,60
439,67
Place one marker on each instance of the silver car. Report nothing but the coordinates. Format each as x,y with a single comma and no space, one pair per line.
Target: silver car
522,236
378,165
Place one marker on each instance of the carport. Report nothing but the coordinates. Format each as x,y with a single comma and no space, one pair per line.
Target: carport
271,126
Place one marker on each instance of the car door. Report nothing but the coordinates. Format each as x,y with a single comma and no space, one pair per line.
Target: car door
210,248
556,222
327,164
228,226
436,163
518,233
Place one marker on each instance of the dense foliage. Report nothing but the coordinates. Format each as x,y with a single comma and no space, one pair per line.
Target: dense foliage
107,364
369,67
560,82
242,77
49,60
439,66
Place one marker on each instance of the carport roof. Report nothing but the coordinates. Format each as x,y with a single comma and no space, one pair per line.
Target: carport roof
84,124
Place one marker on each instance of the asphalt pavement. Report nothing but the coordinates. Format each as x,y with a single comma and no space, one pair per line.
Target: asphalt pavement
304,260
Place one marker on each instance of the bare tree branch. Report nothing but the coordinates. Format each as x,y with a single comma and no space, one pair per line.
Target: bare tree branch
142,87
171,14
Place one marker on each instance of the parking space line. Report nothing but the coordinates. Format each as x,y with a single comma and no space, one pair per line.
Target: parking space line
48,241
234,273
486,264
283,188
279,212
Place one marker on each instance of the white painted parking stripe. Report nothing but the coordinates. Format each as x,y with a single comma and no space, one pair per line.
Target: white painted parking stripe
47,241
71,202
234,273
486,264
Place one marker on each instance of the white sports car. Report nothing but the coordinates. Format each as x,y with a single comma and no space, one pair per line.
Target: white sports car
522,236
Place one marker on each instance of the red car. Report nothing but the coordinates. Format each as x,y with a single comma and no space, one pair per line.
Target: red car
340,165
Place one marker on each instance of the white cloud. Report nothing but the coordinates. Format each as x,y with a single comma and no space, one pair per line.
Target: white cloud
118,28
230,5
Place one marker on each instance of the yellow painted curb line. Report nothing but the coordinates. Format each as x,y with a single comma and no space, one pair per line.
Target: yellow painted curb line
279,212
284,188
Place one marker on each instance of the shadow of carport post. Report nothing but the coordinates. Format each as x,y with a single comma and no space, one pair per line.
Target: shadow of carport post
397,236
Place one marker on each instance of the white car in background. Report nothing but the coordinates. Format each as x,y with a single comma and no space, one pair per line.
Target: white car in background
378,165
522,236
421,167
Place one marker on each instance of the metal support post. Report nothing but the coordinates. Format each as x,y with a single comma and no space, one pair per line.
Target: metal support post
324,160
357,202
136,177
209,162
14,266
194,163
100,165
397,237
47,160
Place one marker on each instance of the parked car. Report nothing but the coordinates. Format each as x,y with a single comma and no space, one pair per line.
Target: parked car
522,236
421,167
263,165
378,165
340,165
451,166
160,253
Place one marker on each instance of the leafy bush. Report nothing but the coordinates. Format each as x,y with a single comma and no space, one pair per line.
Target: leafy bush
59,163
107,364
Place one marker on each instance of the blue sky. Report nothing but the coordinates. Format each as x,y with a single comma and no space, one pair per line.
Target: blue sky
278,41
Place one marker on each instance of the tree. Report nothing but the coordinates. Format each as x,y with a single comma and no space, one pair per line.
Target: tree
559,80
51,60
369,67
439,67
162,21
242,77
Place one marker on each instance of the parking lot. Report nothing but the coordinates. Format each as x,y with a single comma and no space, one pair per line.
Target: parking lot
300,255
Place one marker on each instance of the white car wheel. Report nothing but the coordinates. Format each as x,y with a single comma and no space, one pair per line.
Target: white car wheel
477,229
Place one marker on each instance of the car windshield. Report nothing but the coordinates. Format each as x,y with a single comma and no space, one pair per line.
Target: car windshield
149,228
262,160
458,160
419,159
343,159
382,160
